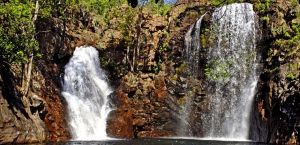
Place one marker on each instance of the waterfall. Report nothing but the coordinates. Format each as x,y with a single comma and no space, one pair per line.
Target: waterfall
231,76
192,46
85,90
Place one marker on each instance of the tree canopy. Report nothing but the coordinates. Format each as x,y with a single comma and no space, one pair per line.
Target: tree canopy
16,31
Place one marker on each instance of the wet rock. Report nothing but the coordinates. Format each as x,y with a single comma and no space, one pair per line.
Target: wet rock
276,105
120,124
154,133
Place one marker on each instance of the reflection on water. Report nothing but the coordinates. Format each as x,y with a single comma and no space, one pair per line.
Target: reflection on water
158,142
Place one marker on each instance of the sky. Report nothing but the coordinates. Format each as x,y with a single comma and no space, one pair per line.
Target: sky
170,1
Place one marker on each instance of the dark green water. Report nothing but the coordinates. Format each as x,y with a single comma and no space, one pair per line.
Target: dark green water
158,142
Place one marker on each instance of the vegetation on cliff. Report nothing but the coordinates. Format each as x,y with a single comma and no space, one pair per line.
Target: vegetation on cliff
17,31
37,37
142,49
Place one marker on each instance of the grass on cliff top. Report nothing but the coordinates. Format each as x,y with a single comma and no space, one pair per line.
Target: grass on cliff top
104,7
217,3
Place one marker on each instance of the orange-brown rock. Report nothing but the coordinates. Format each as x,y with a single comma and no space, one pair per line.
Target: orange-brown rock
119,124
122,99
154,134
160,87
50,92
19,122
160,94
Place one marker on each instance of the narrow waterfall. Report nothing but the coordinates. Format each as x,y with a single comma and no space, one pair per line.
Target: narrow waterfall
232,73
85,90
192,47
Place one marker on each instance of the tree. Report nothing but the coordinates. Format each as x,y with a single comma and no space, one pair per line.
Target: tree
17,43
16,32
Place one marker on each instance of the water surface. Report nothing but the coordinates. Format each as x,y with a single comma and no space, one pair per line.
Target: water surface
159,142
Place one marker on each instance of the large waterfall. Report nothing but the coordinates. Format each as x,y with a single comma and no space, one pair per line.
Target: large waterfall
85,90
231,74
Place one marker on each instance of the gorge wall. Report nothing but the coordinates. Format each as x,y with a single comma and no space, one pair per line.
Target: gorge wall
277,98
150,81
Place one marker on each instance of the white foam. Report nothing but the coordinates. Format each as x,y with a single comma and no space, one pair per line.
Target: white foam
86,90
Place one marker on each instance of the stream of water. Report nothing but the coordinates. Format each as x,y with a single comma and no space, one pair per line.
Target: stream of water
85,90
232,74
192,46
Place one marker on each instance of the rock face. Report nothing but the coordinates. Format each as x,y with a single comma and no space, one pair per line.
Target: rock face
19,123
40,115
277,105
151,96
152,84
143,102
275,114
58,40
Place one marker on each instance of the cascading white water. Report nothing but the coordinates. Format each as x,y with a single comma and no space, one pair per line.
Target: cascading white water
192,46
231,74
85,90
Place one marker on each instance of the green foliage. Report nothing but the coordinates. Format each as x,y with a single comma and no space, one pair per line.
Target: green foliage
291,76
204,40
159,8
265,18
282,30
17,31
294,3
102,7
56,8
181,69
288,43
218,3
218,70
116,14
164,47
267,3
263,6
